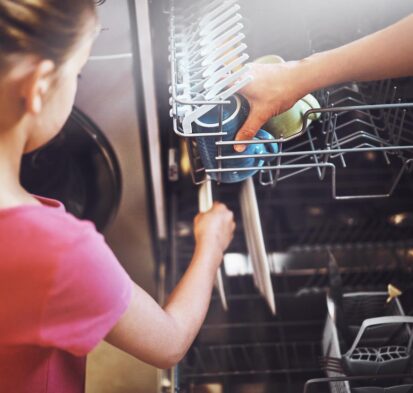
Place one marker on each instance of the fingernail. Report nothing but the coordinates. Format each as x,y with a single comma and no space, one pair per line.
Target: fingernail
239,148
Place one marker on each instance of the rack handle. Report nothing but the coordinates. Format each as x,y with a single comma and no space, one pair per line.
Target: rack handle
380,321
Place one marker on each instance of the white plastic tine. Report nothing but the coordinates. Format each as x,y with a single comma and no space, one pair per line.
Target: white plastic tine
191,8
210,7
221,72
208,46
190,37
185,19
221,85
195,114
236,86
195,63
198,87
190,31
222,28
221,61
197,75
211,58
222,49
197,7
219,20
193,52
217,11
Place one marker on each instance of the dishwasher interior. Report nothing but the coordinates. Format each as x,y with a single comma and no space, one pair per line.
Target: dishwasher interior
335,206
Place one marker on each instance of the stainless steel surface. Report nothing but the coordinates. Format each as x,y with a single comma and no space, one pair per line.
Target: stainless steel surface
106,94
151,114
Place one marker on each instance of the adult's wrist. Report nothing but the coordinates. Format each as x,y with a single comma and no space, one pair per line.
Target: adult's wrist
299,82
321,70
314,72
307,75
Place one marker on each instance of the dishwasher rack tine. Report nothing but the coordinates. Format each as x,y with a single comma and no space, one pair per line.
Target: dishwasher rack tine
205,200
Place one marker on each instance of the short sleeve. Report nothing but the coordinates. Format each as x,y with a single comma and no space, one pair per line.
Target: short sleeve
89,293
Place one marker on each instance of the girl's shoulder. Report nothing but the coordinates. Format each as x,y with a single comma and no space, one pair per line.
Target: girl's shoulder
36,228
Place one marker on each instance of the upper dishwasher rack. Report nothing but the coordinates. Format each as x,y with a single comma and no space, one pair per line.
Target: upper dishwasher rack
207,56
365,129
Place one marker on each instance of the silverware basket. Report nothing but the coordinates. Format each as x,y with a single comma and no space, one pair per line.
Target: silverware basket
396,383
382,339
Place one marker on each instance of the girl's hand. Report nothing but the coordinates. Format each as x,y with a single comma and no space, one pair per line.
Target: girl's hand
214,229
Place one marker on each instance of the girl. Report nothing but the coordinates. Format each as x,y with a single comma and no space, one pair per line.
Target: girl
61,288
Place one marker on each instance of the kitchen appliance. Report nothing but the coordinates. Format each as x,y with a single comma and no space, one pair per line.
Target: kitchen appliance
336,189
79,168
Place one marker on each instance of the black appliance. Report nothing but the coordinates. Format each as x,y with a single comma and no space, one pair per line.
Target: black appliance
79,168
342,188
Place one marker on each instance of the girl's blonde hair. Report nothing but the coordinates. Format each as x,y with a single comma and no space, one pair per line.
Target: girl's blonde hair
49,29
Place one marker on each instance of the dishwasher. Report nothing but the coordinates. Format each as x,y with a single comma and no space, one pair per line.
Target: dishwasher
315,291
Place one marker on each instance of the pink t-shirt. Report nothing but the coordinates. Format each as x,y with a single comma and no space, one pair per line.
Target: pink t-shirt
61,292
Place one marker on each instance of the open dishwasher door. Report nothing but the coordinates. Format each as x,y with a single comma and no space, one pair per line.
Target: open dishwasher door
342,187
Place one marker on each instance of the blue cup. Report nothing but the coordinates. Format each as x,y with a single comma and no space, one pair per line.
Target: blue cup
234,116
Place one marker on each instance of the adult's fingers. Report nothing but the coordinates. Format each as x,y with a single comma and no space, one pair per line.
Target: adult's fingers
247,131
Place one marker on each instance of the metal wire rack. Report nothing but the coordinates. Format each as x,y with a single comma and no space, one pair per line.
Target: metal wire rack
254,358
291,224
350,134
247,343
207,59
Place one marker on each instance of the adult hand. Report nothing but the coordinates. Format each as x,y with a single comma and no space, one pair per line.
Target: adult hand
273,90
215,228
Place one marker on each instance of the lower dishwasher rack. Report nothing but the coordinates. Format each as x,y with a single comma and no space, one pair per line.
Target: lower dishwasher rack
247,349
